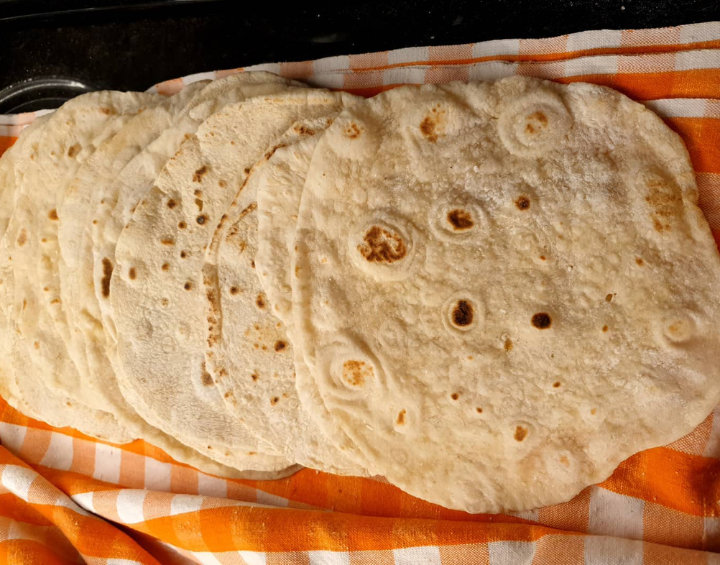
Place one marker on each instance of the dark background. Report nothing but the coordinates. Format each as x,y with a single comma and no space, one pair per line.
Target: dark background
134,44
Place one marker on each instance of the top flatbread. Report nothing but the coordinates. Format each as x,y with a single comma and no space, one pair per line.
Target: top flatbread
502,289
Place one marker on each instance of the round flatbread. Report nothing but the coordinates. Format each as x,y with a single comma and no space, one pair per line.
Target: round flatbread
501,290
248,350
157,292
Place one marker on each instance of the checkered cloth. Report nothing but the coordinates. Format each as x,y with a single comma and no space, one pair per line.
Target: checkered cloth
67,498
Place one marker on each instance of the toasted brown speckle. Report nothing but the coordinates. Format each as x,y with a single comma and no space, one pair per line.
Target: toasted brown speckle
541,320
254,376
274,400
165,266
52,214
460,219
188,285
401,417
74,150
107,267
198,175
522,203
280,345
183,254
167,241
182,225
462,314
234,290
260,301
479,410
22,237
604,328
171,204
520,433
639,261
608,297
382,246
356,373
132,273
508,345
455,395
556,384
352,131
201,219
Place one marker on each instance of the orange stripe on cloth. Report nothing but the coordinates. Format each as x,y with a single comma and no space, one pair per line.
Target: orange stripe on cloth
690,484
702,137
256,529
696,83
358,495
30,552
6,143
17,509
91,536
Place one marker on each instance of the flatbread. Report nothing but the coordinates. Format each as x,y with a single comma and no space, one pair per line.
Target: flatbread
118,200
157,292
501,290
248,351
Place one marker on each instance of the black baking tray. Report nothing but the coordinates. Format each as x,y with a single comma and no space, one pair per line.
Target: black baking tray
51,50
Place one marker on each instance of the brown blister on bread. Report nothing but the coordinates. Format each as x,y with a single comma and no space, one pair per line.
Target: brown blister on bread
382,246
107,274
462,314
460,219
433,124
355,373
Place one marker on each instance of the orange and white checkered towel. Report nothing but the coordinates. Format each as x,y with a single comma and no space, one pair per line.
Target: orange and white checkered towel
67,498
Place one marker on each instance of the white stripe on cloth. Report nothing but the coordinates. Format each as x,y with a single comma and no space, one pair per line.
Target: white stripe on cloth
596,65
423,555
107,463
594,39
157,475
531,515
59,454
697,59
269,67
182,503
492,70
12,436
496,47
114,561
329,557
208,558
601,550
679,107
197,77
17,480
408,54
64,501
211,486
84,500
695,33
403,75
21,119
130,505
511,552
614,514
338,63
269,499
254,557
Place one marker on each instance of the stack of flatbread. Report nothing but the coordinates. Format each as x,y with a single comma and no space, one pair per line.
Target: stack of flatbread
489,293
